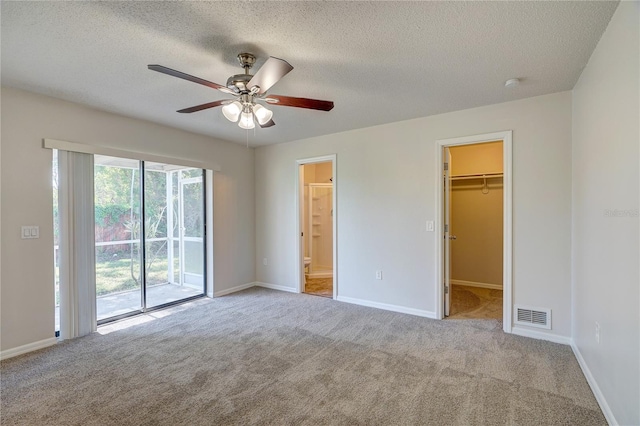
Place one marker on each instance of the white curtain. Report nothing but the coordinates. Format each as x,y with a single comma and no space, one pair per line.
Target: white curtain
77,244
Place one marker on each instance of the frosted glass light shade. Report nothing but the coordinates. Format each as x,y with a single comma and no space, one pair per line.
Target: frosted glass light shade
232,111
263,115
246,121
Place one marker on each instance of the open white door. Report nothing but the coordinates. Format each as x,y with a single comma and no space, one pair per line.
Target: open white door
447,230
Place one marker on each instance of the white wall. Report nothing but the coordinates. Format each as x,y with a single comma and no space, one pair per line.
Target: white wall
27,265
605,273
385,184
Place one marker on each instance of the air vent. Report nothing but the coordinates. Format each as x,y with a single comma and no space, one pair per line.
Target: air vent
533,317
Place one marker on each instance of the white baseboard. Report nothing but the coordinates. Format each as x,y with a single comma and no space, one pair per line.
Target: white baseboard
476,284
276,287
387,307
604,406
233,289
541,335
29,347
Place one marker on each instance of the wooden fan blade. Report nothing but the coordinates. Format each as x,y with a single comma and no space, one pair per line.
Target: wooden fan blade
204,106
267,124
174,73
299,102
269,74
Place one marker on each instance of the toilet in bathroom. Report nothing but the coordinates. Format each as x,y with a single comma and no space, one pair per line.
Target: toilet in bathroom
307,262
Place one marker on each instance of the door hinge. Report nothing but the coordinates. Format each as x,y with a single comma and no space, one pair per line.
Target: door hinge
446,228
446,289
446,166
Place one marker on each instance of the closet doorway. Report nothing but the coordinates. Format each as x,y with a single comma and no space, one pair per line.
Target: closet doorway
316,224
474,239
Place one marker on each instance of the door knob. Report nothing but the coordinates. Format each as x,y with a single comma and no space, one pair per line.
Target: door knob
453,237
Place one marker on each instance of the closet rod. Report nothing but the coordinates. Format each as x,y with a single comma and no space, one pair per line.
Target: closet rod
477,176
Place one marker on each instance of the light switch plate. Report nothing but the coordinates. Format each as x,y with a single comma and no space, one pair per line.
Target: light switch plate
430,226
30,232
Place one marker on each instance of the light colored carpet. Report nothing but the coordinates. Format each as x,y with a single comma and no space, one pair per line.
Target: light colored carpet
475,303
267,357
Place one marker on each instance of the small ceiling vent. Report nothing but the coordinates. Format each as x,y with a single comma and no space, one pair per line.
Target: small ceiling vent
533,317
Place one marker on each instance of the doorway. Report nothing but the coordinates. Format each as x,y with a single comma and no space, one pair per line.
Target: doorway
150,242
473,211
317,226
474,228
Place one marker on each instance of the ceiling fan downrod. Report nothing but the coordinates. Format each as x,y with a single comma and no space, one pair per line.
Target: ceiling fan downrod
246,61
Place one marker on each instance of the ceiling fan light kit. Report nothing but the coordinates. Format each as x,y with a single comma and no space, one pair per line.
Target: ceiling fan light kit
248,90
246,120
232,111
263,115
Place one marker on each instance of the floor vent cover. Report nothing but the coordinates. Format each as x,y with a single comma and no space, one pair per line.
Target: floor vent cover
533,317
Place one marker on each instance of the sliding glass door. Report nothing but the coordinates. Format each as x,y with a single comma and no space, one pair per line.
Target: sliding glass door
142,213
174,218
191,232
118,244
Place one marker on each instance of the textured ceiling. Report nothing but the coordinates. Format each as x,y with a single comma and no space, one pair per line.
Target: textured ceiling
378,61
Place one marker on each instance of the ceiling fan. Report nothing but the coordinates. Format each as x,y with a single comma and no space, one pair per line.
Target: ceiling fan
248,91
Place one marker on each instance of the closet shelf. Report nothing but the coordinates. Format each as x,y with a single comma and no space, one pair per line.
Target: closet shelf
477,176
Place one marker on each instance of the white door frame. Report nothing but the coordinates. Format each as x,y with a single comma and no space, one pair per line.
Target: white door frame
446,219
299,224
507,266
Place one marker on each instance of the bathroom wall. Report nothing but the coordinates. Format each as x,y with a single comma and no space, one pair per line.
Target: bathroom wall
317,173
477,218
323,245
321,229
323,173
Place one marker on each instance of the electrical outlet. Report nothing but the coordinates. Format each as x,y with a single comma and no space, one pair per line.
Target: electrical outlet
597,332
378,275
264,261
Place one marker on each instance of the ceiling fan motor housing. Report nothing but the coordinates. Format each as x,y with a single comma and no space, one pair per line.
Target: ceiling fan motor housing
238,83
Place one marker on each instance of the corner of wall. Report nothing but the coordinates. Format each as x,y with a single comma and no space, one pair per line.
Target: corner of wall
593,384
